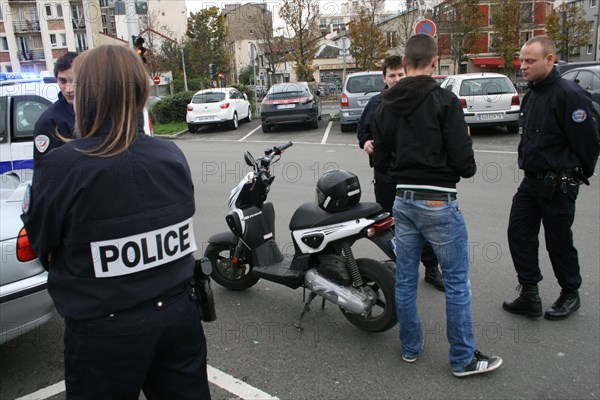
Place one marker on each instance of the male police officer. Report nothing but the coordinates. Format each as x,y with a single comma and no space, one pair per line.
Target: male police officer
385,185
57,123
558,151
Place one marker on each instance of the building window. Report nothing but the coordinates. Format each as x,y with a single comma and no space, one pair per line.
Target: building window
525,36
590,48
527,13
53,40
3,43
592,3
392,39
59,10
63,40
103,18
48,10
105,30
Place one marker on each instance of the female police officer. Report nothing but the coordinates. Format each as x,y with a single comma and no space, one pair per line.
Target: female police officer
111,216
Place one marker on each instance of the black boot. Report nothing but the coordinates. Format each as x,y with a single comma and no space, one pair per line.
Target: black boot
433,276
568,302
528,303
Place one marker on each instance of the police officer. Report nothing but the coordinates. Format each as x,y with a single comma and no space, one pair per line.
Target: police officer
56,125
385,185
558,151
111,216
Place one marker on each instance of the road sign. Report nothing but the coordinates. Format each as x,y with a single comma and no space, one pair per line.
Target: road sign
426,26
156,80
261,76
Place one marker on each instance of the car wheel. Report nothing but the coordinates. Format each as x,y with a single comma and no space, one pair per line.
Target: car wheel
266,128
314,124
249,118
192,128
513,128
346,127
234,123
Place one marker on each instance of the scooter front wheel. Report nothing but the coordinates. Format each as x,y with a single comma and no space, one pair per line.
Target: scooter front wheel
223,271
378,278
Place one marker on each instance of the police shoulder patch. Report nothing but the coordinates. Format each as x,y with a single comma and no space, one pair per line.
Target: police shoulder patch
42,142
579,115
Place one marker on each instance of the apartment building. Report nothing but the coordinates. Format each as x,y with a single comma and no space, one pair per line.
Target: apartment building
533,15
591,51
34,33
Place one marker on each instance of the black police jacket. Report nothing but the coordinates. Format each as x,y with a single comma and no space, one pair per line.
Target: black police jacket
421,137
558,131
58,118
113,231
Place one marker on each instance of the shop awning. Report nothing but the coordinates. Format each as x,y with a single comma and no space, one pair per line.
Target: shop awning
492,62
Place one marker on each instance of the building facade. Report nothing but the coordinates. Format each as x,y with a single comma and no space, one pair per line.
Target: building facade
591,51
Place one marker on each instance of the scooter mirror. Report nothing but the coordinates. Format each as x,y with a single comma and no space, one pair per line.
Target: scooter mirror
249,159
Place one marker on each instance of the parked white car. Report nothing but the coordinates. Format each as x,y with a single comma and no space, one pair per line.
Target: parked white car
488,99
21,104
24,300
218,106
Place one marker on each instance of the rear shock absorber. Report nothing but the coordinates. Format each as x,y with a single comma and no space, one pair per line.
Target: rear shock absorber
352,266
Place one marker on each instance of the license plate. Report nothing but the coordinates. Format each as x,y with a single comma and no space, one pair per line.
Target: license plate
279,107
489,117
200,119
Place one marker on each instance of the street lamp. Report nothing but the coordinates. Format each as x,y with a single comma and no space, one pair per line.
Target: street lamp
252,54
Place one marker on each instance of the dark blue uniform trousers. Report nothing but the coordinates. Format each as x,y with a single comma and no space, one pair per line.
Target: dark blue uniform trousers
158,347
557,215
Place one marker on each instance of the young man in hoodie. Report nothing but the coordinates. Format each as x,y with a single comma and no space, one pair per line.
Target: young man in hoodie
422,140
385,185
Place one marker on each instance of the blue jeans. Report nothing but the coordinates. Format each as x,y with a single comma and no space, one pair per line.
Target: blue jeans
444,227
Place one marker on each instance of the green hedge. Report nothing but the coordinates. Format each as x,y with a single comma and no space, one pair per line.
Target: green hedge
171,108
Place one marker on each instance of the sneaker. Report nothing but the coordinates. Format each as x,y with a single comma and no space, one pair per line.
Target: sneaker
409,358
480,364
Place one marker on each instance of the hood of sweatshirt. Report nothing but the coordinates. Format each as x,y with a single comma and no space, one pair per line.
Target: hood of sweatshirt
408,94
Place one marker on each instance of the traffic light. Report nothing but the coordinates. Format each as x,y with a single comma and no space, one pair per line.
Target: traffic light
212,71
138,43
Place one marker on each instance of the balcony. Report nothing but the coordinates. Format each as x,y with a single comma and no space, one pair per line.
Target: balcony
78,23
26,26
31,55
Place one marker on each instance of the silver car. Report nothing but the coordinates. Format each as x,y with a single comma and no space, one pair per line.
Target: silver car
24,300
487,99
356,93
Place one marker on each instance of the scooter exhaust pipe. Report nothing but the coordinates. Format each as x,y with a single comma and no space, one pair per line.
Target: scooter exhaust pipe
346,297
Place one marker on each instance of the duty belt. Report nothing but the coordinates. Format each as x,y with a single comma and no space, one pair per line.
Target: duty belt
415,195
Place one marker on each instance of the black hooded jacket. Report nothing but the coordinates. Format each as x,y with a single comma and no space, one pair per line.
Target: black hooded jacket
421,137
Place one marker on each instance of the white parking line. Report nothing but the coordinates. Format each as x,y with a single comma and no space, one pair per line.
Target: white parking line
324,140
216,377
250,133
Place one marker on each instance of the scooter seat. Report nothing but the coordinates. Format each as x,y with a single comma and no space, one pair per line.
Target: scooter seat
310,215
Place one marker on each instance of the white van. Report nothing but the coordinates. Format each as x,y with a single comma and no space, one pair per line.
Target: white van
21,104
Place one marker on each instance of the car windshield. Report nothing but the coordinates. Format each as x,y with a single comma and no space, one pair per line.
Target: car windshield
292,94
365,84
486,86
210,97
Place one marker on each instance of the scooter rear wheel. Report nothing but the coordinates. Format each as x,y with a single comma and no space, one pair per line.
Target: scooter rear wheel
380,278
241,278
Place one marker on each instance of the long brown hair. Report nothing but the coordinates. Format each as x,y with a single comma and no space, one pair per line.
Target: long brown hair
111,87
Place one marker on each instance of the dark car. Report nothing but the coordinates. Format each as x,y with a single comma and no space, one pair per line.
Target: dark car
588,78
290,103
563,67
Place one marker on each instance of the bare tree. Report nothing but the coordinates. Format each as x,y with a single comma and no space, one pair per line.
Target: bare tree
569,29
403,27
302,18
155,41
274,48
368,42
508,20
459,28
